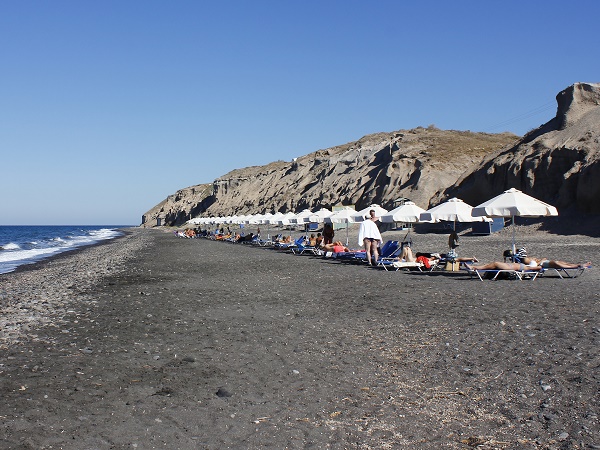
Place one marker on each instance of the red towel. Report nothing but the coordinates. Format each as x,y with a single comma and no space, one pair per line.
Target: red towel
424,261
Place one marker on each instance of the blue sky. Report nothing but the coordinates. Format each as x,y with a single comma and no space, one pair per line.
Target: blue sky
106,108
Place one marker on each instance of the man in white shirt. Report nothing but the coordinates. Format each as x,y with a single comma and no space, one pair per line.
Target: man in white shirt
370,237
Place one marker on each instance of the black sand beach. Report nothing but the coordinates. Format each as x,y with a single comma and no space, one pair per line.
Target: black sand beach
151,341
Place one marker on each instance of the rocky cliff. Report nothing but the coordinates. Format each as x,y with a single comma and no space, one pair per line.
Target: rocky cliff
378,168
557,162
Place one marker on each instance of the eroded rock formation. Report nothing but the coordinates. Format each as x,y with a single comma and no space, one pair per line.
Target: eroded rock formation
557,162
378,168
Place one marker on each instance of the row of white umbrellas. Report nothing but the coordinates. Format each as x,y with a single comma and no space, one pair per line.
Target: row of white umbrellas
511,203
344,215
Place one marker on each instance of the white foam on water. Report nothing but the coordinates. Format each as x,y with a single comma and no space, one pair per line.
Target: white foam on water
13,255
11,246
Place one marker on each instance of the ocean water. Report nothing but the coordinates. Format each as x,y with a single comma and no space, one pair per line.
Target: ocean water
22,244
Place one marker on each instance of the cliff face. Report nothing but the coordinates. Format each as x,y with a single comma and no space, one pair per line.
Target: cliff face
558,162
378,168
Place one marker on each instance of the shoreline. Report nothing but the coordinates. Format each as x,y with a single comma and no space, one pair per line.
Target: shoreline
66,252
34,294
157,341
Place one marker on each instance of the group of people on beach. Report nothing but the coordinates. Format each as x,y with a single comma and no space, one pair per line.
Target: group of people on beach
370,238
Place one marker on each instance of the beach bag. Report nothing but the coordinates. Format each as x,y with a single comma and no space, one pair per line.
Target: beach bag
452,266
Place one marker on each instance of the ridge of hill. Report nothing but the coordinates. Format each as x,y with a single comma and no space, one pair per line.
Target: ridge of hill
378,168
559,162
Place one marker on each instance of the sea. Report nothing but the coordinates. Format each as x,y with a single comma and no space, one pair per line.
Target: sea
24,244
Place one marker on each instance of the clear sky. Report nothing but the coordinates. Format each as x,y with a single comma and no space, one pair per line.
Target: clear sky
108,107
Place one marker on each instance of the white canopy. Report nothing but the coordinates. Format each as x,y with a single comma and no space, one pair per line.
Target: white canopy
253,219
341,216
301,217
514,203
409,212
274,218
285,219
319,216
265,218
454,210
360,215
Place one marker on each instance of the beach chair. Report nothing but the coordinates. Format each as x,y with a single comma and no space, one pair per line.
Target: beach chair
386,262
495,274
564,273
302,248
385,251
297,244
397,265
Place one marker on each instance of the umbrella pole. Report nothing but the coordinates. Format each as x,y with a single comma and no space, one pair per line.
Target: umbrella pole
347,226
513,238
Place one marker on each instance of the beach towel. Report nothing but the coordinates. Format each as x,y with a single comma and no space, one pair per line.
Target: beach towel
425,261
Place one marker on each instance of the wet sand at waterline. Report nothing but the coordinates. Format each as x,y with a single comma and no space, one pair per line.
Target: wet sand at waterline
152,341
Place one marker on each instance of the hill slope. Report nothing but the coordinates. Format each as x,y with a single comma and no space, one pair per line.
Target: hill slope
558,162
377,168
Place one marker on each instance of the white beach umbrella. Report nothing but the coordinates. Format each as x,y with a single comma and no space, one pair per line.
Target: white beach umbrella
344,215
273,221
360,215
241,219
409,212
453,210
253,219
285,219
301,217
265,218
513,203
319,216
341,216
274,218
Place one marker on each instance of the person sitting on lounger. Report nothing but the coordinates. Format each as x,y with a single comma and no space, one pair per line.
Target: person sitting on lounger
319,241
409,256
335,247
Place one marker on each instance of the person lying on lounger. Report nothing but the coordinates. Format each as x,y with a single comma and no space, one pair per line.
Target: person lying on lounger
497,265
335,247
409,256
546,263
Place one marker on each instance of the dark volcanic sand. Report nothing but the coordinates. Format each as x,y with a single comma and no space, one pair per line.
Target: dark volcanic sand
157,342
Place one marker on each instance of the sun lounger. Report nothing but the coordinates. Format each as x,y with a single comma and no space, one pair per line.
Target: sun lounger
564,273
561,272
493,274
397,265
302,249
386,251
